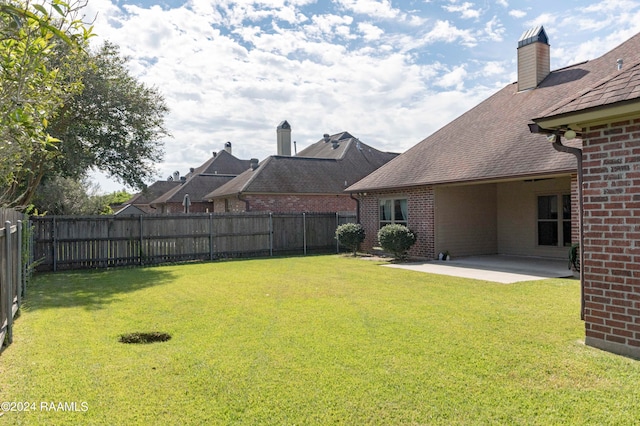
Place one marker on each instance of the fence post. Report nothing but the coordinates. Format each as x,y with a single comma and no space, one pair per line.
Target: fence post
9,283
210,236
271,234
19,286
337,241
54,250
140,252
304,232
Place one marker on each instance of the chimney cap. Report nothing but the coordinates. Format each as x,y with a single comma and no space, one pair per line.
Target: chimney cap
533,35
284,125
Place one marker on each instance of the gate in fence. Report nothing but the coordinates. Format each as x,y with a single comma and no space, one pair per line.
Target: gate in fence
73,242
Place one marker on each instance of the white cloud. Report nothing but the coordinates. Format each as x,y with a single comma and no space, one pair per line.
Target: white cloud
465,10
494,29
370,32
372,8
453,79
516,13
443,31
503,3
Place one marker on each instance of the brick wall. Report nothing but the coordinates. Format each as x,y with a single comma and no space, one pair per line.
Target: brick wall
611,268
420,211
288,203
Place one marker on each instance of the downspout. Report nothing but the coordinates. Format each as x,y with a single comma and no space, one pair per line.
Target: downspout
557,145
247,207
357,200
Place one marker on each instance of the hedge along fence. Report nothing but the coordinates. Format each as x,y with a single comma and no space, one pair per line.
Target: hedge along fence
12,271
87,242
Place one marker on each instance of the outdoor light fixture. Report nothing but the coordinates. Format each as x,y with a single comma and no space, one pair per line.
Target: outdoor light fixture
551,137
570,134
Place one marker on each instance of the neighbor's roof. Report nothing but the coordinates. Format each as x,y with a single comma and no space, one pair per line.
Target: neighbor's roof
221,163
197,186
152,192
492,140
325,167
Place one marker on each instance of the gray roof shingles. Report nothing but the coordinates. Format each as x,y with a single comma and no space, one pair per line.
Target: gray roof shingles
492,140
318,169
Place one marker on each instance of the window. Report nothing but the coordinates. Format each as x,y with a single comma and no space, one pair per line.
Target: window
554,229
393,211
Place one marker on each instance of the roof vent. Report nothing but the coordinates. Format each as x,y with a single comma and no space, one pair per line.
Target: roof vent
326,137
254,163
334,144
619,62
533,58
176,176
192,170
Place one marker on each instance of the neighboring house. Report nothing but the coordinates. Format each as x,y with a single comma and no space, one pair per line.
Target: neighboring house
185,194
313,180
129,210
142,199
484,184
606,114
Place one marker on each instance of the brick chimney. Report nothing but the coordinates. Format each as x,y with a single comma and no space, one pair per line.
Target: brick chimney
533,58
284,138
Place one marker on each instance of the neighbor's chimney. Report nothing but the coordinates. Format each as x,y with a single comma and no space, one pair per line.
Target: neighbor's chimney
227,147
533,58
284,138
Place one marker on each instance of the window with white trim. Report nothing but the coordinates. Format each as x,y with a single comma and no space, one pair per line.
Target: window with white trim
554,220
393,210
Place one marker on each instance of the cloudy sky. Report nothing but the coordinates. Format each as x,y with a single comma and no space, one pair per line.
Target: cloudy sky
390,72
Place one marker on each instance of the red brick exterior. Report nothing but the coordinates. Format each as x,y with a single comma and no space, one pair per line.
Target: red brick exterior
420,211
286,203
611,268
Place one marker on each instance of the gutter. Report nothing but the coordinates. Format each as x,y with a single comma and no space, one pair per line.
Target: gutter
357,200
247,207
558,146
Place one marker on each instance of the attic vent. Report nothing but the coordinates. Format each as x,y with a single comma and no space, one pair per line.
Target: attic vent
254,163
326,137
192,170
334,144
619,62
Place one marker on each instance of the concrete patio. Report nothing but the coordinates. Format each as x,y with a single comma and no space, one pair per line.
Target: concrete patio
495,268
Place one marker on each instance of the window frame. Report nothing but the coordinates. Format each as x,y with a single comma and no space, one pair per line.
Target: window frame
560,220
394,206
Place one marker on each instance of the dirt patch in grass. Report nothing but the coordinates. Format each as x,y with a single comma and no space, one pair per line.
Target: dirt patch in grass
151,337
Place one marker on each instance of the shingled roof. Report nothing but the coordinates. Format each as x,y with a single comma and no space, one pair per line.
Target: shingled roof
326,167
152,192
492,141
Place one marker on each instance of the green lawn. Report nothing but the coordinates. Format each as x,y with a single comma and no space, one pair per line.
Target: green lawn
309,340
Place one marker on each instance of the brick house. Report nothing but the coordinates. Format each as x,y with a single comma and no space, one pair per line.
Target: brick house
313,180
484,184
606,114
186,194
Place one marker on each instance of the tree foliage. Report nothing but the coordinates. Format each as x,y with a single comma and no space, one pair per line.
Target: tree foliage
396,239
65,110
41,60
350,235
113,125
68,196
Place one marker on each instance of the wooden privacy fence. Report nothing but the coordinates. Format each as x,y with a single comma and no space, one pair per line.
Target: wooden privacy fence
74,242
12,273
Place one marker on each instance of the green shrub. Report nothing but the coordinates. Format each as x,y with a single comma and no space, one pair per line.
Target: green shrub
396,239
350,235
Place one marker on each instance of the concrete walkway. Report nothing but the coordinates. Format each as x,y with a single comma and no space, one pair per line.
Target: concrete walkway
498,268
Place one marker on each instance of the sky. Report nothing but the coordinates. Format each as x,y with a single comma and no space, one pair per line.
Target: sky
389,72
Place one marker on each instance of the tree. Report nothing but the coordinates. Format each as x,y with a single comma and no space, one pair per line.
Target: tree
68,196
113,125
350,235
37,76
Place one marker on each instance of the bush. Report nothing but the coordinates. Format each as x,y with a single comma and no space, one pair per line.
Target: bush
350,235
396,239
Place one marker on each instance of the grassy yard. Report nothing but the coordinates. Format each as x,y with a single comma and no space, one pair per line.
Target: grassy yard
309,340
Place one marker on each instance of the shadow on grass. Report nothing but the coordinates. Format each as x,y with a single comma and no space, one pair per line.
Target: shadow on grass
89,289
